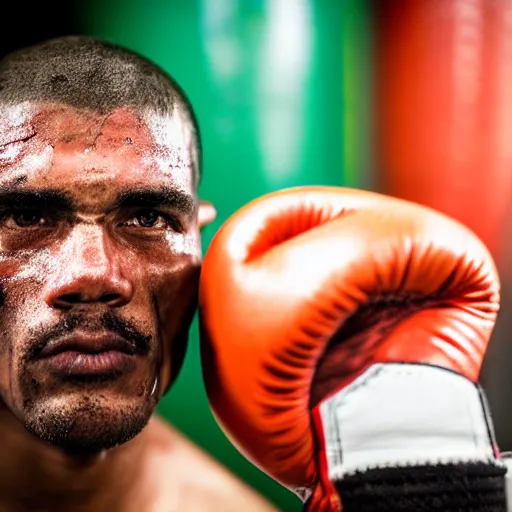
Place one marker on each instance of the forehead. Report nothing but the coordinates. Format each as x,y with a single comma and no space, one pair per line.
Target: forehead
48,145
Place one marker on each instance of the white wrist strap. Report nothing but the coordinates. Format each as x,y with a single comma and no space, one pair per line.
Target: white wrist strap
397,415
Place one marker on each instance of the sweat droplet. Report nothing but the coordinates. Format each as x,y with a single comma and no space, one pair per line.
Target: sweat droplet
155,386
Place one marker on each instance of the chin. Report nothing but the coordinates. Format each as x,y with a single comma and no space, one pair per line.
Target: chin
87,425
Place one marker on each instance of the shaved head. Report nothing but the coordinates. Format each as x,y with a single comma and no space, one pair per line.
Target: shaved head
88,73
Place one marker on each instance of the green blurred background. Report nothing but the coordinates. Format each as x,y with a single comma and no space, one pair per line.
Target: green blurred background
281,90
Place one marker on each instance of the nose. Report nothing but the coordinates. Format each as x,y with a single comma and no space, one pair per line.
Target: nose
87,270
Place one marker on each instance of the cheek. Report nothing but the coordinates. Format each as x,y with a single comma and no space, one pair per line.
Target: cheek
175,295
26,268
171,274
186,245
16,313
21,307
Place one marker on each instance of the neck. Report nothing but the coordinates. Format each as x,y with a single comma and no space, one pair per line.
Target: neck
35,475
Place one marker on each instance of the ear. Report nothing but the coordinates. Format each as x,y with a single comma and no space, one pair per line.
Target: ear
206,214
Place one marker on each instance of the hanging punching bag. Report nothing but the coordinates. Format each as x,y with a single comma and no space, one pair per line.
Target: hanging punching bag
443,108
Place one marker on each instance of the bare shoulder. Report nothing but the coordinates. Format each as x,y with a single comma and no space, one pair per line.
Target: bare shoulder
193,479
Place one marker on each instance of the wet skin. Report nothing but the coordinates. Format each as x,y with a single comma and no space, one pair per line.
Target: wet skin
99,261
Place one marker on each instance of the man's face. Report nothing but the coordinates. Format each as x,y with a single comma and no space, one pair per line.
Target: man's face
99,259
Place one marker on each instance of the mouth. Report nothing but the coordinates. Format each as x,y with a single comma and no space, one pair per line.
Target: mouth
89,354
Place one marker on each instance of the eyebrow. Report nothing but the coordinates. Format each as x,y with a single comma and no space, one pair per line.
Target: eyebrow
59,200
43,199
164,197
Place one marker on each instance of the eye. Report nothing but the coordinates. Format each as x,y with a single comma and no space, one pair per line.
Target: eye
149,219
152,219
25,219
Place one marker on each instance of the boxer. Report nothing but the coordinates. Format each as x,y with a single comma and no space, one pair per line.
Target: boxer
99,263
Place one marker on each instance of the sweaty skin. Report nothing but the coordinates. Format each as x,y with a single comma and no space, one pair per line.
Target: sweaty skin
99,238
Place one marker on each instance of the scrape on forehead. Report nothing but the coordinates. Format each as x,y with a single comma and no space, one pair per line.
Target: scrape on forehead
13,121
16,115
172,133
89,73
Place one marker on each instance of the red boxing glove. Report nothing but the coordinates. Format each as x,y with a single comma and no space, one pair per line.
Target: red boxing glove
329,319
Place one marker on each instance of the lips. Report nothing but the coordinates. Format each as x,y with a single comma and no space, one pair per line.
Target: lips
88,343
88,354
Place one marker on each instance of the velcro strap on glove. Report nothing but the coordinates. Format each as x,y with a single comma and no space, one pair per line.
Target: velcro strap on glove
405,434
